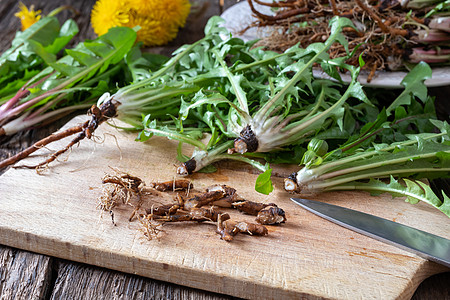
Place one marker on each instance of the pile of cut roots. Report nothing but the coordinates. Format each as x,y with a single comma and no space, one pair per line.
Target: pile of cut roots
187,205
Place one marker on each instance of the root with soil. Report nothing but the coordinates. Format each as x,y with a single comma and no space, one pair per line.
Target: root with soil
98,115
385,36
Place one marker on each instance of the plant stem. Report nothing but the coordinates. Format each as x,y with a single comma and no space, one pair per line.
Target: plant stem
241,158
325,185
333,164
261,62
178,137
241,98
375,165
261,114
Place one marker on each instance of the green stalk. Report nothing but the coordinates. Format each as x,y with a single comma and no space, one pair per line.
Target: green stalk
219,149
300,129
320,100
237,89
151,108
129,105
260,115
317,118
261,62
325,185
176,136
203,158
334,164
86,84
24,121
239,157
375,165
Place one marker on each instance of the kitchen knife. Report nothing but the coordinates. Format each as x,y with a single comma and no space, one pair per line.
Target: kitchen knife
424,244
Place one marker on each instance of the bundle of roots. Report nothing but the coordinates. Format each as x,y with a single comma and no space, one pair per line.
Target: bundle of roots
386,33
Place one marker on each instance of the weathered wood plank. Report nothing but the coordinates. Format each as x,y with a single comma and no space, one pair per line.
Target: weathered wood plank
79,281
435,287
24,275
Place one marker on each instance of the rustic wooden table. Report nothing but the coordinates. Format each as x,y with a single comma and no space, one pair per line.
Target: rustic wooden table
26,275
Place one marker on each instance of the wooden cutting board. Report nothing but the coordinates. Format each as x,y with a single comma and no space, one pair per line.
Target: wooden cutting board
56,214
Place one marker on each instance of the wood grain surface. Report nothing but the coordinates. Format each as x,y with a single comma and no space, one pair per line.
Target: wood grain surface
26,275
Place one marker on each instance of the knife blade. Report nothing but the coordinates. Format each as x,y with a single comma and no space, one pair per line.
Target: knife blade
421,243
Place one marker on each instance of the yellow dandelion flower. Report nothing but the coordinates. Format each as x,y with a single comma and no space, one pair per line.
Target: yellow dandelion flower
153,32
159,20
174,11
142,6
27,17
109,13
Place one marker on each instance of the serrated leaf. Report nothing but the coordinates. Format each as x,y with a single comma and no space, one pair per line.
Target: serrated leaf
213,25
414,192
68,30
337,23
46,32
414,86
144,136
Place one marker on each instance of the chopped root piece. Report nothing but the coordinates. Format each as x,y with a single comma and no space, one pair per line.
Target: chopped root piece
124,186
200,200
195,214
172,185
250,207
110,197
271,216
225,189
246,142
187,167
230,195
251,228
163,210
119,189
290,183
226,230
125,180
